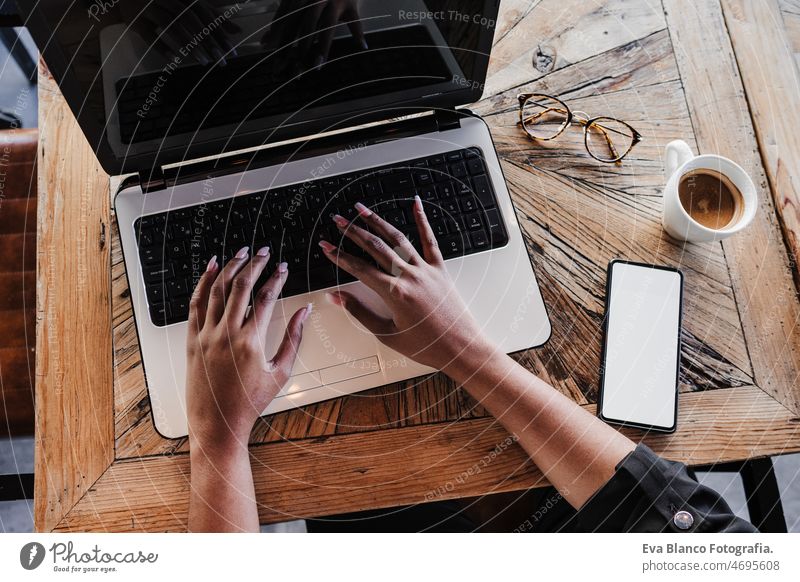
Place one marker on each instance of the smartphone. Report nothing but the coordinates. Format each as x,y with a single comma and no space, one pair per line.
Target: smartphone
641,346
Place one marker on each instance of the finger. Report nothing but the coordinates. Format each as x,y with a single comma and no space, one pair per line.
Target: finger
222,286
198,306
287,352
368,274
378,325
430,247
264,301
242,287
400,244
375,246
354,24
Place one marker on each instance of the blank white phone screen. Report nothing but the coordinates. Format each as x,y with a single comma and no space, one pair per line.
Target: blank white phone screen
641,359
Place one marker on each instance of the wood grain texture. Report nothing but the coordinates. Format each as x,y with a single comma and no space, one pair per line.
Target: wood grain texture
757,257
401,443
771,79
409,466
74,397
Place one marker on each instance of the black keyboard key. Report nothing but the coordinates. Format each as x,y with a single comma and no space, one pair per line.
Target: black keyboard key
458,171
177,287
495,226
395,217
473,222
436,160
155,294
397,181
453,157
452,245
151,255
445,190
440,173
463,187
480,240
372,188
179,309
483,191
468,204
157,273
159,313
422,177
439,228
475,166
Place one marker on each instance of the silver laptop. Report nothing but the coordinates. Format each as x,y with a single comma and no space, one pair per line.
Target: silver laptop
385,127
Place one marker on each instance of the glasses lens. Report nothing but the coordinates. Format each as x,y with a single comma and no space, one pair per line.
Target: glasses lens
608,139
543,117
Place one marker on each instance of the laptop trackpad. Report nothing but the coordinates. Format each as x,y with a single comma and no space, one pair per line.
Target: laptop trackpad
330,338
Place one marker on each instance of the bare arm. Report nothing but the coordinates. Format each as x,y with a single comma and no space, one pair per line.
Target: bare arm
430,324
229,383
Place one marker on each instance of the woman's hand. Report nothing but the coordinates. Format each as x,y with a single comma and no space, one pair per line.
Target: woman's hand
430,322
229,379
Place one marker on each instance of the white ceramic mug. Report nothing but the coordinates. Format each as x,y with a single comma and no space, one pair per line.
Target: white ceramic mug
680,160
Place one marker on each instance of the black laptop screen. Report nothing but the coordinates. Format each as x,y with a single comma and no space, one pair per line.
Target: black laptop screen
164,80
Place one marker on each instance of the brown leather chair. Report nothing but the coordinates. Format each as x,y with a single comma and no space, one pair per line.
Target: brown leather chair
17,279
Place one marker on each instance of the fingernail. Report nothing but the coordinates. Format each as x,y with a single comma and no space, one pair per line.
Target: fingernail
309,308
263,252
283,267
242,253
418,203
340,221
334,298
363,210
364,44
326,246
212,264
319,61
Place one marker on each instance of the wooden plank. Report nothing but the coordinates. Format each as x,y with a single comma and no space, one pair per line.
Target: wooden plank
769,75
412,465
74,399
759,264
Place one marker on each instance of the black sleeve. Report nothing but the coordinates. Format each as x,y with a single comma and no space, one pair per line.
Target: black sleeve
650,494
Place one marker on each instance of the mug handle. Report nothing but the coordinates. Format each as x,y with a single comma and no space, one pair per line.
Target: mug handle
677,153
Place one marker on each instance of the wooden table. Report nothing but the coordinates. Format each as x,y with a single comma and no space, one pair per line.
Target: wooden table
699,71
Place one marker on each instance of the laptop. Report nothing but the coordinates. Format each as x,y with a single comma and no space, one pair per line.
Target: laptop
261,145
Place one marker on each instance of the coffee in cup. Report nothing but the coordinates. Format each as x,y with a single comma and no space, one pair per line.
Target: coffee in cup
707,197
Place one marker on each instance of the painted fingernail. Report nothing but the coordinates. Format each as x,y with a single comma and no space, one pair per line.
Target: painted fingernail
309,308
283,267
334,298
212,264
340,221
242,253
364,45
363,210
326,246
263,252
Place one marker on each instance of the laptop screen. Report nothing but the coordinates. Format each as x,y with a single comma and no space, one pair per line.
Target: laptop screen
169,80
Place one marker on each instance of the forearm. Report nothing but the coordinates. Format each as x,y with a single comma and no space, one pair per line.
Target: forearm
575,450
222,493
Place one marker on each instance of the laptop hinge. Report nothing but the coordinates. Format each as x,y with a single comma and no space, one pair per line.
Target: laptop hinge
447,119
152,179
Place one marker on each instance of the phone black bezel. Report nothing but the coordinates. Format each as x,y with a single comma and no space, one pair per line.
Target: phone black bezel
601,387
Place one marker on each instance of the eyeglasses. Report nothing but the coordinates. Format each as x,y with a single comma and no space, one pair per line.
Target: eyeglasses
544,117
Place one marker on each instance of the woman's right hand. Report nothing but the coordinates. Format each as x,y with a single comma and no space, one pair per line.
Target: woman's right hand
430,322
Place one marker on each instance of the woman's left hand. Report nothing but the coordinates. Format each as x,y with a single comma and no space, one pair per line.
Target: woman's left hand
229,379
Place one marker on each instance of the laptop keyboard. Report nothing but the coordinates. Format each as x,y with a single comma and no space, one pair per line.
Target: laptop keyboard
175,246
